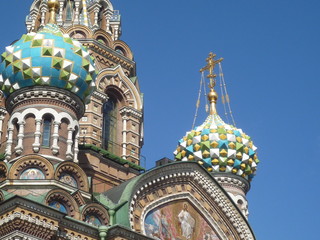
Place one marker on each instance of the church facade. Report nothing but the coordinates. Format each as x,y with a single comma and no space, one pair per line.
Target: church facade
71,130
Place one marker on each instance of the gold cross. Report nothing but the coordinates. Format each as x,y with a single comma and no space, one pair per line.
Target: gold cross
210,67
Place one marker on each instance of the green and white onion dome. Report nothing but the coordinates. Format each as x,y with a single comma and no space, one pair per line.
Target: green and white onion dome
48,58
220,148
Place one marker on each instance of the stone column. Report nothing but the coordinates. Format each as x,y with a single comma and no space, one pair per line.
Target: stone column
1,125
55,136
76,148
108,17
43,16
19,147
69,154
60,20
9,143
37,134
76,14
124,136
96,17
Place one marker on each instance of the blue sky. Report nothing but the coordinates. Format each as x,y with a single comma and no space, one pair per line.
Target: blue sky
271,65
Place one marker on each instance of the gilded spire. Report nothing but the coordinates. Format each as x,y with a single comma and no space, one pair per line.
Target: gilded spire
53,9
212,96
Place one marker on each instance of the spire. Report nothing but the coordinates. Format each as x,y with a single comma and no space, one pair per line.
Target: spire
53,8
212,96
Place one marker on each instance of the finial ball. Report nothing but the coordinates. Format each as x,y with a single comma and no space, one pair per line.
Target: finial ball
212,96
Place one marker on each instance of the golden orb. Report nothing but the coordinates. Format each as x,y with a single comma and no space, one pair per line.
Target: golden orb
212,96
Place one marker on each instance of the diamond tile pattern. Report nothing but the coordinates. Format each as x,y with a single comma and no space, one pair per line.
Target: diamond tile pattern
219,147
47,58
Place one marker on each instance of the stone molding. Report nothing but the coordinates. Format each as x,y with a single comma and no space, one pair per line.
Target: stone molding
97,210
233,181
74,170
31,161
65,198
65,97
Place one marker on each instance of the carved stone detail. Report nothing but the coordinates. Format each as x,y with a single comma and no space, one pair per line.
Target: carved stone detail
75,171
97,210
31,161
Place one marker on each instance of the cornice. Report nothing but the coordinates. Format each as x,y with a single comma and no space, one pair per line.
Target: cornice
39,92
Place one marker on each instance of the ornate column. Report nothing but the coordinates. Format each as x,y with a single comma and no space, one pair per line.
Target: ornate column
124,136
19,147
37,135
76,14
76,148
96,17
55,136
9,143
43,15
69,154
108,15
1,126
60,20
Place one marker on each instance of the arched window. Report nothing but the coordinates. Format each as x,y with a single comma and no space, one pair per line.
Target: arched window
109,136
46,132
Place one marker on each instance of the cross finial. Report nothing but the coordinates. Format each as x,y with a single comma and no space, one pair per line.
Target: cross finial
211,63
212,95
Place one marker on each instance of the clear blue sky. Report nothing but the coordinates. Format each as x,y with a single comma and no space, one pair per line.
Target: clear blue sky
271,50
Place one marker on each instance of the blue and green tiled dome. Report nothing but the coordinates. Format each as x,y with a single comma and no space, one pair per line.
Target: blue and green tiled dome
48,58
220,148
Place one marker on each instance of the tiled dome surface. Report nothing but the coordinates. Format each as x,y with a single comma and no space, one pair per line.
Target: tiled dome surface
219,147
47,58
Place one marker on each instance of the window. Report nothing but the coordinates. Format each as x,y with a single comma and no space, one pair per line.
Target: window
83,131
133,126
46,132
95,107
95,120
109,124
84,119
94,133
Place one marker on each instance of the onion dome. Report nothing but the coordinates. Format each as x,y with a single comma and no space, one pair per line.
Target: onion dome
217,146
47,58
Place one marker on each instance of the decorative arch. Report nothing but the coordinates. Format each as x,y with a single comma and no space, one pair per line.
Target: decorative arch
80,29
65,200
186,183
100,34
75,171
116,77
31,161
124,47
3,171
97,211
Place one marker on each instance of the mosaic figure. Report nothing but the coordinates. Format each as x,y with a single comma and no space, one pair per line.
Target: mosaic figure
59,206
32,174
93,220
178,220
187,222
68,179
